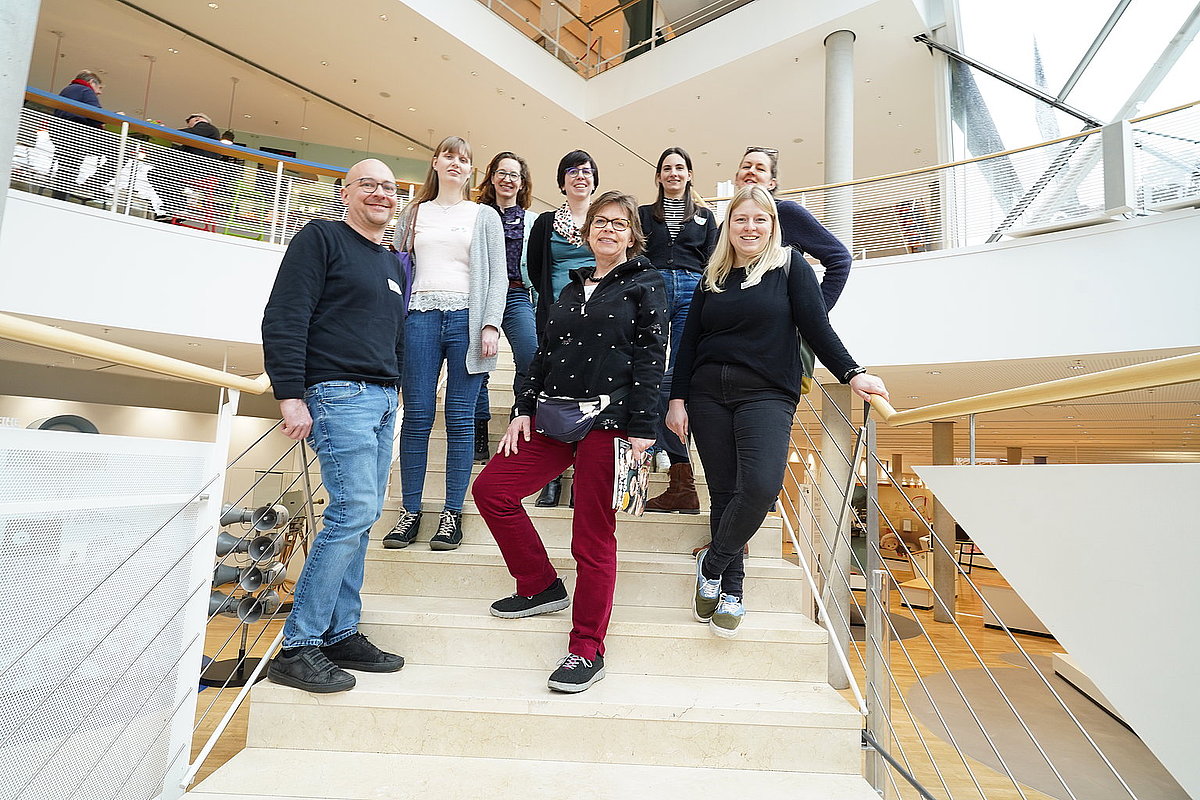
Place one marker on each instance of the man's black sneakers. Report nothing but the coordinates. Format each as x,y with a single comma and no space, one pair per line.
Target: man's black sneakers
357,652
309,669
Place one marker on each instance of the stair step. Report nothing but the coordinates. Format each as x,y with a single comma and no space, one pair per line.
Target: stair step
624,719
770,645
262,774
651,533
646,579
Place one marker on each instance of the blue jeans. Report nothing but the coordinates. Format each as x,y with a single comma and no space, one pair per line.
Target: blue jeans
430,338
681,285
521,331
353,424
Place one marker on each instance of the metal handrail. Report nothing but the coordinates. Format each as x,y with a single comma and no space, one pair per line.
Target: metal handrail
1164,372
35,333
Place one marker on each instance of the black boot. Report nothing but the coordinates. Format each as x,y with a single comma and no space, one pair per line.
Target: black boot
550,494
481,441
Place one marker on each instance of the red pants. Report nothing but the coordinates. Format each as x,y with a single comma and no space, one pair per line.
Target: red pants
498,492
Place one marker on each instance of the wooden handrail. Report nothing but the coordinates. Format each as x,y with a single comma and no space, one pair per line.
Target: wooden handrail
170,134
1164,372
35,333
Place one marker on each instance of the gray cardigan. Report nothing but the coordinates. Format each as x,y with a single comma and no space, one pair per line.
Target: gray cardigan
488,281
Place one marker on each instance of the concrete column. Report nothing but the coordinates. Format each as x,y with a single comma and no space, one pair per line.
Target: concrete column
835,559
18,21
943,528
1013,455
839,133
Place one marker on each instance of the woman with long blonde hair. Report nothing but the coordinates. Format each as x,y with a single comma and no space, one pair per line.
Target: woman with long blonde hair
737,383
454,316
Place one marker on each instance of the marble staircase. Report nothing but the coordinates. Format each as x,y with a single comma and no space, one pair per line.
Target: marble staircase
470,715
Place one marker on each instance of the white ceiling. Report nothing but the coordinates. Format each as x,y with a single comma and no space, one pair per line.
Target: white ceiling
772,97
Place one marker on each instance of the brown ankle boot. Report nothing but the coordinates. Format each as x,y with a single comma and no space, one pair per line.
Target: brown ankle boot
680,494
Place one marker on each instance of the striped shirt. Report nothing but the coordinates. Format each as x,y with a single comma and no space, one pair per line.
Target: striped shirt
673,215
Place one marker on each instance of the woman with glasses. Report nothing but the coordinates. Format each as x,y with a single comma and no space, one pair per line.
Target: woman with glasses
556,246
508,189
603,336
737,383
799,229
454,317
681,233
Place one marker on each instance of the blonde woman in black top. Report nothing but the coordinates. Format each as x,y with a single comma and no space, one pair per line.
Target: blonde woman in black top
737,383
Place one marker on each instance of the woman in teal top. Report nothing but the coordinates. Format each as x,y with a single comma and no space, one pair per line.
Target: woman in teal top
556,247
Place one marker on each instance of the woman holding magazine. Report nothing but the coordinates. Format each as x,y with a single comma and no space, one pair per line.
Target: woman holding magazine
604,349
737,383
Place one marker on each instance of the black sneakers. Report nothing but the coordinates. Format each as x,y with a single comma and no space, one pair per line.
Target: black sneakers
551,599
449,532
357,652
576,673
309,669
481,441
404,531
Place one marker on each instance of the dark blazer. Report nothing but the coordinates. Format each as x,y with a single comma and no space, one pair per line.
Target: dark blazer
689,250
615,341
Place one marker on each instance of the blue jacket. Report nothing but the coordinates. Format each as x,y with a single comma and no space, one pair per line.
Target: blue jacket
80,92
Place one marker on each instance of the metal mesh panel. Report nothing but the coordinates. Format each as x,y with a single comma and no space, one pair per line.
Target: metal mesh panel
1166,158
99,562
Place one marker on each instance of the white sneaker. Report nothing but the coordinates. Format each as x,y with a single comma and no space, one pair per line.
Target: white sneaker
662,461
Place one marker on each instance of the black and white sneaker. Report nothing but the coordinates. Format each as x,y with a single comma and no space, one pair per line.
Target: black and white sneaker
404,531
449,532
553,598
576,673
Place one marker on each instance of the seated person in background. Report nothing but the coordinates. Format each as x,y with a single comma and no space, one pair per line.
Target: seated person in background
174,179
73,142
200,125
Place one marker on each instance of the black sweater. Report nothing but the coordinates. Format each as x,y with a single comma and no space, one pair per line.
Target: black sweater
612,342
335,313
689,250
801,231
757,328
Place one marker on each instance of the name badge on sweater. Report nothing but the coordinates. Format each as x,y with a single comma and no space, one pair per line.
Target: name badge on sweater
395,287
699,220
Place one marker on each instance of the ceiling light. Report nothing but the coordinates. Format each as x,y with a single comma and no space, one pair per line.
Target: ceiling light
410,108
935,372
193,344
358,138
213,5
172,50
385,94
914,397
247,116
383,17
474,74
410,147
324,63
303,127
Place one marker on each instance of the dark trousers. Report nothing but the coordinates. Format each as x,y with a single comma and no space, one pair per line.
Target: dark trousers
742,430
498,492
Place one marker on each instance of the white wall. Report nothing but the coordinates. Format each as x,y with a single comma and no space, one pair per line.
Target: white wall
71,262
1126,285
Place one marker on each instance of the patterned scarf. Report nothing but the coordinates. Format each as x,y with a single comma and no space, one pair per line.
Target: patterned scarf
565,226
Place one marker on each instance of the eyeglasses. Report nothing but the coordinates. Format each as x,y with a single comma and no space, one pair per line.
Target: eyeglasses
619,224
770,151
505,175
575,172
370,186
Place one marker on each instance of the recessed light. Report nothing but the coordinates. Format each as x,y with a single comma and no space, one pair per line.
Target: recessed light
914,397
193,344
324,63
935,372
410,147
247,116
385,94
213,5
410,108
358,138
172,50
303,127
474,74
383,17
1069,417
445,57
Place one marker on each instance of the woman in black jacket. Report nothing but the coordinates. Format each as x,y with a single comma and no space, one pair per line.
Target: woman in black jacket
737,383
604,337
556,246
681,233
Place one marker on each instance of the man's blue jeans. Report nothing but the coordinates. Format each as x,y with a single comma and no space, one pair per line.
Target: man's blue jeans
352,434
681,285
431,337
520,328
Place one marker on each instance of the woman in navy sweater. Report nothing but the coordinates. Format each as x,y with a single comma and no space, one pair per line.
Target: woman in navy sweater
681,233
737,383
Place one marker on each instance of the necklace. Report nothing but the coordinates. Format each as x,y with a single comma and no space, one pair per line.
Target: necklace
446,208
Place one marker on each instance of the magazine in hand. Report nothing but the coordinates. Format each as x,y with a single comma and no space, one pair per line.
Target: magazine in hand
631,478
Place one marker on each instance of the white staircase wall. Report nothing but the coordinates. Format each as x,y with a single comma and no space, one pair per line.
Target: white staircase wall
1106,556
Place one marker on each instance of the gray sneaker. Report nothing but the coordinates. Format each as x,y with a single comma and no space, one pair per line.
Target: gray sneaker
311,670
707,592
727,617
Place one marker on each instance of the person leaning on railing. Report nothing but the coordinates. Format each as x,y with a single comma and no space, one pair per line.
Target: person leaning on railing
73,142
604,339
737,383
208,181
333,344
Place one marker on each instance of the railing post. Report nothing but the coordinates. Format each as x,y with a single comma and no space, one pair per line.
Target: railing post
275,210
1116,145
944,578
837,444
878,692
116,198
